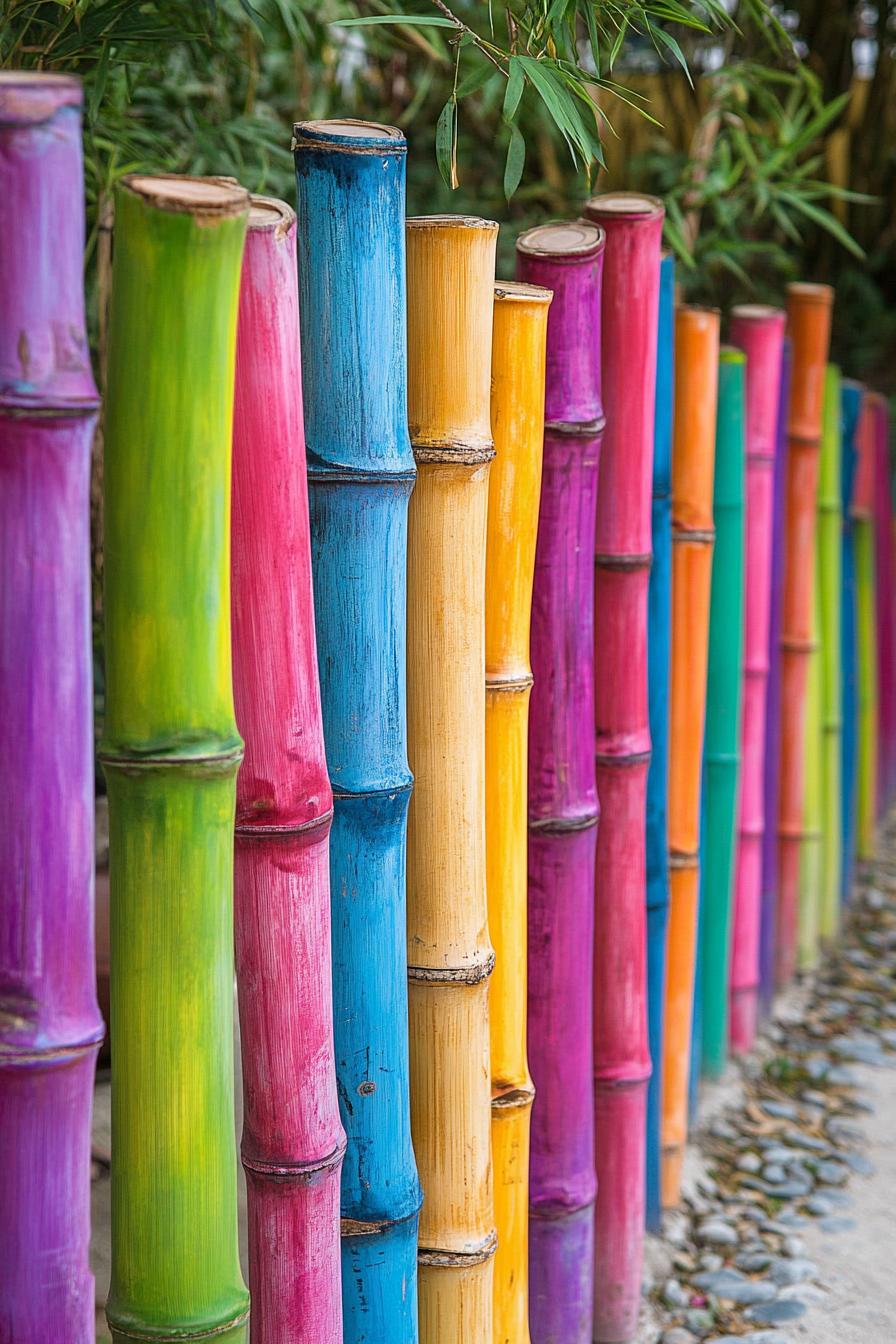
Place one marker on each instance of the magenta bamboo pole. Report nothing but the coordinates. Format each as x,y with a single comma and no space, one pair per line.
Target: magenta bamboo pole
633,226
563,810
292,1139
759,332
884,595
50,1027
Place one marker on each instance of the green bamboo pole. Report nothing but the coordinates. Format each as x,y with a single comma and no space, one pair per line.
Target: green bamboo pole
170,754
829,585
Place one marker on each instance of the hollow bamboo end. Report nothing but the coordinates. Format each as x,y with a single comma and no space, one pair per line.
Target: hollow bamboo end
266,212
625,205
757,312
435,222
350,135
730,354
514,291
179,194
807,292
28,97
574,239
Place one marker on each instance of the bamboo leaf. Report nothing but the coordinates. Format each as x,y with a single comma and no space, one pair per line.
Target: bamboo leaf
514,91
476,80
445,132
516,159
408,20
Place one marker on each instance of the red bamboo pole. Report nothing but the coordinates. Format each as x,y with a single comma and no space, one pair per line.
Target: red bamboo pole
292,1138
633,225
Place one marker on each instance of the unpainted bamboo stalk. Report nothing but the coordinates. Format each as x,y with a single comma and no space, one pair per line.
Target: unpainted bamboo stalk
659,629
851,406
771,784
563,811
809,327
451,271
630,303
866,632
884,596
693,455
171,753
759,332
350,180
722,760
830,588
514,488
292,1140
50,1026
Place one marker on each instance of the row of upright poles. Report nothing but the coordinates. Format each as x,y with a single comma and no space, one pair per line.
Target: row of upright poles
454,850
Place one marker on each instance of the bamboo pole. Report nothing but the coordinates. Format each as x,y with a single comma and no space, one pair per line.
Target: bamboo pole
759,332
722,759
50,1027
350,179
830,587
851,406
809,891
659,622
451,270
866,635
292,1139
771,782
563,811
884,613
630,304
517,419
171,753
693,454
809,325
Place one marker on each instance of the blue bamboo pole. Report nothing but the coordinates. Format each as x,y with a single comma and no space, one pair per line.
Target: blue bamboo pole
350,180
850,405
659,619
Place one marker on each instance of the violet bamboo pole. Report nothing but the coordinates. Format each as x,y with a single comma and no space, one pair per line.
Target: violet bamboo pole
292,1140
563,810
171,753
866,633
809,327
759,332
350,179
851,408
772,759
630,311
659,623
883,569
50,1028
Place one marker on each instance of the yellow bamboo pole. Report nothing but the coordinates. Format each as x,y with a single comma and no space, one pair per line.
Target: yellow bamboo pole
514,489
451,271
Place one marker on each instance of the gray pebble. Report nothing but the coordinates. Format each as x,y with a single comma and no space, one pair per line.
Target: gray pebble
717,1280
781,1110
793,1246
789,1190
774,1174
698,1320
776,1313
837,1224
804,1292
819,1205
751,1337
753,1262
839,1076
812,1098
677,1335
674,1295
807,1141
858,1162
832,1173
840,1198
784,1272
754,1215
716,1232
709,1260
749,1162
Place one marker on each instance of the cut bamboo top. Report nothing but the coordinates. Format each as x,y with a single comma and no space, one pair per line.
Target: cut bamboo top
694,432
201,197
809,327
348,136
759,331
568,258
451,274
29,97
268,213
628,205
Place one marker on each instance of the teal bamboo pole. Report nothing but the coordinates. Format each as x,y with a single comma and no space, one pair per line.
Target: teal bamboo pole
721,749
171,753
830,582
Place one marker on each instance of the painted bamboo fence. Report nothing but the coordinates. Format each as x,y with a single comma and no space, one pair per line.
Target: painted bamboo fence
170,754
830,588
883,606
759,332
809,899
514,487
659,621
350,179
451,271
693,452
866,636
50,1027
809,324
563,809
630,303
722,739
771,783
851,407
293,1142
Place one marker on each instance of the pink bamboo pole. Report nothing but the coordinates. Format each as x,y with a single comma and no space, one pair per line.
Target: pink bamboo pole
759,332
883,569
633,225
292,1138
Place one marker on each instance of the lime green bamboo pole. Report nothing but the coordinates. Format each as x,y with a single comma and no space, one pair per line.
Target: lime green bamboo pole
171,753
830,523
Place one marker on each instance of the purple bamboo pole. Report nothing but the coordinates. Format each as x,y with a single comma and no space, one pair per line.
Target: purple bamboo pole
883,568
563,810
50,1027
771,765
